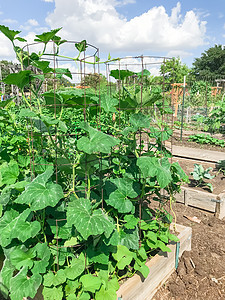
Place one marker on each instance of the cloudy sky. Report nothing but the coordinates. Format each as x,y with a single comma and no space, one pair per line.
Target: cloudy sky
122,27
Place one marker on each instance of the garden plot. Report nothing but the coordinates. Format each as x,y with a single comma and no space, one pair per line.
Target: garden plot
199,195
200,274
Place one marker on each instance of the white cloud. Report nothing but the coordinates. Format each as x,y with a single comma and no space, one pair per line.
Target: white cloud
9,21
100,24
6,49
32,22
180,53
48,0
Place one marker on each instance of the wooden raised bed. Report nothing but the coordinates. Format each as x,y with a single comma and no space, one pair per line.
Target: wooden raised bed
161,267
203,200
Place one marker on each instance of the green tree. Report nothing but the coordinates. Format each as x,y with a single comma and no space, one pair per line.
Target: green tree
211,63
174,71
94,80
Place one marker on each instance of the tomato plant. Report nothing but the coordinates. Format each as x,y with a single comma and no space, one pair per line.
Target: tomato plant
76,217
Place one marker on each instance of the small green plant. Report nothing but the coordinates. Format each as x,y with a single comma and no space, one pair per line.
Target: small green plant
206,139
221,166
199,174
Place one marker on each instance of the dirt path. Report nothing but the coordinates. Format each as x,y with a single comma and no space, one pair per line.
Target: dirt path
201,272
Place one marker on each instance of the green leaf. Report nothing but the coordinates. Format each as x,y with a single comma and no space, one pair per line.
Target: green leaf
19,79
152,166
71,287
9,172
40,193
14,225
143,73
130,238
51,279
97,256
131,221
22,257
82,46
53,101
71,242
5,276
87,222
143,269
97,141
45,37
10,34
23,286
43,256
54,293
109,103
76,269
123,257
63,71
106,294
121,74
90,283
120,197
163,247
61,229
139,120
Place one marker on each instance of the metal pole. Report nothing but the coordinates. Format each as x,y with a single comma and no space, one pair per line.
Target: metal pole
182,114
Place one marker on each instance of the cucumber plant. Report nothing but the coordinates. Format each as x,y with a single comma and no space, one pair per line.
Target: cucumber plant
76,213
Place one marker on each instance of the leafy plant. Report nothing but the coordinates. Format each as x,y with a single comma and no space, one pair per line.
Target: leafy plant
199,174
75,207
206,139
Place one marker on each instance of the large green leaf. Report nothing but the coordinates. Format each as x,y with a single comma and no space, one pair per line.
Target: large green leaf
45,37
5,276
153,166
53,101
53,293
58,278
76,269
9,173
123,257
43,256
106,294
23,286
90,283
139,120
22,257
120,197
62,71
61,229
10,34
97,141
86,222
109,103
121,74
14,225
19,79
40,193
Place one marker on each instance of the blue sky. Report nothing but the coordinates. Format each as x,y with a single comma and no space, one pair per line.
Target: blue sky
122,27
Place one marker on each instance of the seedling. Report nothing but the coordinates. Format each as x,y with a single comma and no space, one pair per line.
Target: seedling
199,174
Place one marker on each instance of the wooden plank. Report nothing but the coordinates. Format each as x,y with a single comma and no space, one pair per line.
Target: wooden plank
221,213
161,267
198,199
198,153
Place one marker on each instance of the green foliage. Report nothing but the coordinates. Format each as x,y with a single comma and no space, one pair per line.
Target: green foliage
206,139
211,64
71,194
174,71
199,174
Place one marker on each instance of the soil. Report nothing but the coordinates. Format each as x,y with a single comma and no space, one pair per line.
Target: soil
201,272
218,182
